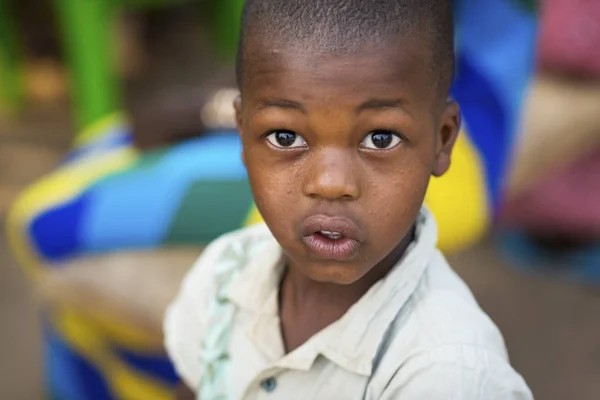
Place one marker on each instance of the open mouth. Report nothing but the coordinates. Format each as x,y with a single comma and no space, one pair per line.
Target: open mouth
331,238
331,235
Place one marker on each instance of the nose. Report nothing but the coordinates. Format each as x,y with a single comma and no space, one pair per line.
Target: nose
332,175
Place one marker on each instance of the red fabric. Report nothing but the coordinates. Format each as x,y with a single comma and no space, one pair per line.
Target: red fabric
568,203
569,39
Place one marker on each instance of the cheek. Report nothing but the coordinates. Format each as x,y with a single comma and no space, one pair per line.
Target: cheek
398,197
274,187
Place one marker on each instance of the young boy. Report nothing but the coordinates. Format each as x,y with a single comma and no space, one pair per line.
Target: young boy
344,116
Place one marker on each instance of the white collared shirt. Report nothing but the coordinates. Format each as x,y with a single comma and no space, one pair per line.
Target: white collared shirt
416,334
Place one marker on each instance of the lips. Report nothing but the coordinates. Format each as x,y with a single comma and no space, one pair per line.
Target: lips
331,238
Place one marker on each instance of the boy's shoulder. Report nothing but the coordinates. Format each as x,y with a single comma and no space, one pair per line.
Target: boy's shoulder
445,312
233,250
443,345
184,326
442,328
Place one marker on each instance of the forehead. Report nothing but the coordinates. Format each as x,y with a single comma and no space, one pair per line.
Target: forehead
311,72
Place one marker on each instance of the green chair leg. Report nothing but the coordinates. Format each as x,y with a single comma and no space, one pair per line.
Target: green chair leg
228,14
11,83
88,38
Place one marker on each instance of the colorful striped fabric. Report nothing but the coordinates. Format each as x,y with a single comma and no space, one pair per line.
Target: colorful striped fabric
108,196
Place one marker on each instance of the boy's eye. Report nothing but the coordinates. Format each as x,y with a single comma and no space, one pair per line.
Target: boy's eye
380,140
286,140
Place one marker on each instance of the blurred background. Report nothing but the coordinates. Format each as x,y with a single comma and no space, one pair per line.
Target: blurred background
119,160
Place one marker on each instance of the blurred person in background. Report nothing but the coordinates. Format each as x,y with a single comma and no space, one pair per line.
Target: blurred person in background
108,196
551,220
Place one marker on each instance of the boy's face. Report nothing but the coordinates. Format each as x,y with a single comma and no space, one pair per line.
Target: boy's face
340,148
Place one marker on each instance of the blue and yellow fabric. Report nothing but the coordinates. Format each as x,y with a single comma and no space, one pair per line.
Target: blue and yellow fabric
108,196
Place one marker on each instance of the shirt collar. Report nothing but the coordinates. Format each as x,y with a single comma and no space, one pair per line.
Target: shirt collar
364,325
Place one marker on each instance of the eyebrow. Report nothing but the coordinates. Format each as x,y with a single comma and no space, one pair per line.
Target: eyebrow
281,103
374,104
377,104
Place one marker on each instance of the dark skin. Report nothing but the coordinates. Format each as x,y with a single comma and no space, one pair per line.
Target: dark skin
368,129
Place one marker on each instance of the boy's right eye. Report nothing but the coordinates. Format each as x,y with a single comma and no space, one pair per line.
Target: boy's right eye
286,140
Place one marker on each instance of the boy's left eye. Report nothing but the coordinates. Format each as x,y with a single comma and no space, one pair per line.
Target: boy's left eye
381,140
286,140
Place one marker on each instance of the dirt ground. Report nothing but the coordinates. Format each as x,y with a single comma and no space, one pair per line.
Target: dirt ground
551,326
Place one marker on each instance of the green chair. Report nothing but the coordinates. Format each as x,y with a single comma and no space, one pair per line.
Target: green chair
86,29
87,34
11,88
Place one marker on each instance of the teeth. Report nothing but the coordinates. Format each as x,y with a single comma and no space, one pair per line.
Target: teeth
332,235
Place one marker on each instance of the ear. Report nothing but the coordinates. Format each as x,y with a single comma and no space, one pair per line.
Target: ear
447,134
237,105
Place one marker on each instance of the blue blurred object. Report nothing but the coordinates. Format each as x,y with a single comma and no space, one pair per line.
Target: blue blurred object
581,263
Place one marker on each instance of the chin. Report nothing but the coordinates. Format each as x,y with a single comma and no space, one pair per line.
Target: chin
337,274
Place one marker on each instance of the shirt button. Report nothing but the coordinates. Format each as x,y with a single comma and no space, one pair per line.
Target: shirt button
269,385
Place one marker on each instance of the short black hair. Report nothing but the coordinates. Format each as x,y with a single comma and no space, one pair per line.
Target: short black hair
346,24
